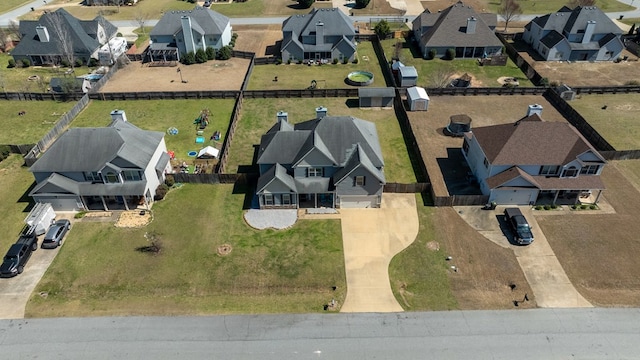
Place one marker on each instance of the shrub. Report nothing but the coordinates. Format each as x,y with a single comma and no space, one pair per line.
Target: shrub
161,192
547,207
80,214
362,3
93,62
574,207
432,54
592,207
305,4
211,53
345,61
79,62
170,181
538,207
584,206
382,29
224,53
65,63
201,56
5,150
554,83
288,61
234,36
355,60
119,34
26,62
335,61
188,58
554,206
278,61
450,54
12,63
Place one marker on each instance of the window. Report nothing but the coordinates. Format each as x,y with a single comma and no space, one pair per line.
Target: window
131,175
268,199
314,172
486,163
93,176
570,172
465,146
112,177
359,180
589,169
286,199
549,169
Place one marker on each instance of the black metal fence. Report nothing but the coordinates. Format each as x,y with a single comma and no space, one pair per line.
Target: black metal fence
162,95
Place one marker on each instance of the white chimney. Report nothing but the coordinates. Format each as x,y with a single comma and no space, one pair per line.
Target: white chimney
534,109
471,25
187,32
43,33
588,31
282,116
118,115
319,33
321,112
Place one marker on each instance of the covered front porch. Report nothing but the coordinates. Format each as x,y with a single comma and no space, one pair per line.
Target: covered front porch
568,197
110,203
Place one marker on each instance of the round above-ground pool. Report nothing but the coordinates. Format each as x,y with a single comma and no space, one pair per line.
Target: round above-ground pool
360,78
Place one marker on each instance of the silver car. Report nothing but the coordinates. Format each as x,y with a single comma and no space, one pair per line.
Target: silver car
55,234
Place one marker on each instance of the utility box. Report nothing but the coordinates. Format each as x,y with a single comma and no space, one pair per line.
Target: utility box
41,217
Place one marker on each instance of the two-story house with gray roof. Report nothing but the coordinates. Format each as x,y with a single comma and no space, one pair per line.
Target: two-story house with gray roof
533,161
321,35
181,32
457,27
582,34
42,44
329,161
109,168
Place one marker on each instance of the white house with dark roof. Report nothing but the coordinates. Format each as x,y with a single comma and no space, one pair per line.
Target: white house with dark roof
582,34
41,40
329,161
180,32
322,34
457,27
111,168
533,161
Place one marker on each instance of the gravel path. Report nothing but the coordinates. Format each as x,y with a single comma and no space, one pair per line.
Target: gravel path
276,219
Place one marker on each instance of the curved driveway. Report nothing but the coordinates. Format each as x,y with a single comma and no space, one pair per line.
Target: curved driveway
371,238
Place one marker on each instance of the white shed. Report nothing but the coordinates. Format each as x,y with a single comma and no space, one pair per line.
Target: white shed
417,98
208,152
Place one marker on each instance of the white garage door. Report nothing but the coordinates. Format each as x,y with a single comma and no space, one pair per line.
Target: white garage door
510,197
358,202
62,204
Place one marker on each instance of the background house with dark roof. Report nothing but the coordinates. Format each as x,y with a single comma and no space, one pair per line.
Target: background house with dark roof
457,27
42,39
180,32
532,161
329,161
322,34
581,34
109,168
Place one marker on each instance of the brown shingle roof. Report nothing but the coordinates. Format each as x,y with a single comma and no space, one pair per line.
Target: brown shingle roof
592,182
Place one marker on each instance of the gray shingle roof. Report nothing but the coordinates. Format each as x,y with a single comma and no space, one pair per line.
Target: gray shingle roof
89,149
58,184
276,173
205,20
336,23
357,159
448,28
552,38
80,33
580,15
377,92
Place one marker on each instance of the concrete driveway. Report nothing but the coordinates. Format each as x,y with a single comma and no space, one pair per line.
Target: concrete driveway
371,238
15,291
541,268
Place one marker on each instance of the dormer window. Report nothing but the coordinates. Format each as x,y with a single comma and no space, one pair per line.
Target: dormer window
131,175
589,170
549,170
314,172
112,177
570,172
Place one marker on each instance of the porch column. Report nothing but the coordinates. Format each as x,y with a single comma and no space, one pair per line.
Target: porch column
104,203
555,197
126,206
84,203
598,197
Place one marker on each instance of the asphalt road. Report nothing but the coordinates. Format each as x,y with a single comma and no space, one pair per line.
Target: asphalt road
524,334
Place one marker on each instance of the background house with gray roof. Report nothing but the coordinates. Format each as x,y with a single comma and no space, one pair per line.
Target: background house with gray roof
109,168
581,34
42,39
181,32
533,161
322,34
329,161
457,27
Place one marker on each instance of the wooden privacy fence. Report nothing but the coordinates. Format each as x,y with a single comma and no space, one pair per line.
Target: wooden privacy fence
460,200
299,93
406,188
162,95
606,89
485,91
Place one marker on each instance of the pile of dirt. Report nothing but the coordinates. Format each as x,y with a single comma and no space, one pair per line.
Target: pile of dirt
133,219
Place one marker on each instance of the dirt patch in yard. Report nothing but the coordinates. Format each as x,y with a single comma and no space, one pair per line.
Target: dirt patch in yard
263,40
599,251
134,219
212,75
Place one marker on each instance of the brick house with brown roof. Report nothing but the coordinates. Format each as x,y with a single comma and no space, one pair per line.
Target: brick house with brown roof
532,161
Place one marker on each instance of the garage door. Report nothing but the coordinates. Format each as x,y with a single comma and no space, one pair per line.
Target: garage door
358,202
62,203
510,197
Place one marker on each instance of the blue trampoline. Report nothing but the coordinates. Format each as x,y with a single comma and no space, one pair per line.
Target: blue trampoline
192,153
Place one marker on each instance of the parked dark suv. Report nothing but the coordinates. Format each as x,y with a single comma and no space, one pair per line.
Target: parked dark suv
518,223
18,255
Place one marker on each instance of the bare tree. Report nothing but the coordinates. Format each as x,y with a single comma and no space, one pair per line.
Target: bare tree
62,33
509,10
141,17
573,3
440,76
14,30
5,39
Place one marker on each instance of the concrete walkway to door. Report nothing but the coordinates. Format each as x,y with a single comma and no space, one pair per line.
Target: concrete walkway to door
371,238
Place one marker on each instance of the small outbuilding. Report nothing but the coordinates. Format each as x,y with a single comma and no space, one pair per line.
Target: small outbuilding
407,76
417,98
208,152
376,97
69,85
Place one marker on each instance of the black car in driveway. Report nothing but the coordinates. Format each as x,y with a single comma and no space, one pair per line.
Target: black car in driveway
55,234
18,255
520,226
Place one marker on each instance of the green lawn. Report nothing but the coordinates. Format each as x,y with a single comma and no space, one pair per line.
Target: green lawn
16,181
98,271
159,115
548,6
143,35
258,115
8,5
17,79
618,124
418,275
329,76
39,118
486,76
